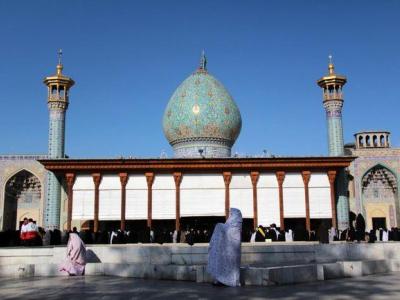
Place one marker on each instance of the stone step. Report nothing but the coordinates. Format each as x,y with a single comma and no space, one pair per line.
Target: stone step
357,268
257,276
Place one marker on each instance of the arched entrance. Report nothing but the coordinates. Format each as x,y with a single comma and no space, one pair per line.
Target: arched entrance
21,199
379,194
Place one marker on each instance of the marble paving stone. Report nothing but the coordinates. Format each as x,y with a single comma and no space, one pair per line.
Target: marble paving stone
352,268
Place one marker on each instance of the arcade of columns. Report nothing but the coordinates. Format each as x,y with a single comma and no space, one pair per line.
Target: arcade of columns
280,176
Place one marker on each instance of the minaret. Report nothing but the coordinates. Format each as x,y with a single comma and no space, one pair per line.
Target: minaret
57,101
332,85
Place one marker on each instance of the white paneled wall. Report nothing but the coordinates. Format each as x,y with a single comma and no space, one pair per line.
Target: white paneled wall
241,194
136,198
110,198
163,197
268,200
202,195
320,196
83,198
293,196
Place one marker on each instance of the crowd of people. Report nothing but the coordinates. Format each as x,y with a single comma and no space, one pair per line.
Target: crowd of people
32,235
324,234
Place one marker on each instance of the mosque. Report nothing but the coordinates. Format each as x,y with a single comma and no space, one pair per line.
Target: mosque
203,180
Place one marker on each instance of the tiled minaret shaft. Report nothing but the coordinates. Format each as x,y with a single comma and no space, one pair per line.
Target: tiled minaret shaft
58,100
332,85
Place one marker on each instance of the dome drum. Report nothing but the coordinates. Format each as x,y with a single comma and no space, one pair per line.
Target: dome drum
202,147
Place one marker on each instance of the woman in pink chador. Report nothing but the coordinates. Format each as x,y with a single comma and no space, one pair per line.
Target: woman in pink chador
75,261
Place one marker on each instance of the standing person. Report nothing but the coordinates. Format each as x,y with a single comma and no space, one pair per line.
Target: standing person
360,228
275,232
32,234
323,236
151,235
190,237
260,234
385,235
75,261
289,236
253,236
183,237
372,236
23,232
224,252
175,236
332,234
47,238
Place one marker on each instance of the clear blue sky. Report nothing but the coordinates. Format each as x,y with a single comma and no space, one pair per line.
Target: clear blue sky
128,57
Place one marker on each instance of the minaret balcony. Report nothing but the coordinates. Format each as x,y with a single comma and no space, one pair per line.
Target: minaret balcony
333,96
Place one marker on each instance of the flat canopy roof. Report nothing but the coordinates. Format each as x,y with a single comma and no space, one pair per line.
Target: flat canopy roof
166,165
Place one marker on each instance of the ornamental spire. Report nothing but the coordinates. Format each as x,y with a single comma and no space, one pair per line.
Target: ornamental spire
331,67
59,65
203,61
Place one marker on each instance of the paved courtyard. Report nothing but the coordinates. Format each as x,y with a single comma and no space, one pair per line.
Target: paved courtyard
385,286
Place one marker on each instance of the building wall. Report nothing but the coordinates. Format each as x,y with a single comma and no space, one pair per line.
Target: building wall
388,158
10,165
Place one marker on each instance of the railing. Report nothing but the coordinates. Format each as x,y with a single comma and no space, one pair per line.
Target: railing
22,157
57,98
333,96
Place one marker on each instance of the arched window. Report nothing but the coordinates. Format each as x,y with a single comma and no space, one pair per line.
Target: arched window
379,184
54,90
361,141
62,92
367,141
375,141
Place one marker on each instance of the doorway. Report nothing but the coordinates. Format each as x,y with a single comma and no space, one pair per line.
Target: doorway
378,223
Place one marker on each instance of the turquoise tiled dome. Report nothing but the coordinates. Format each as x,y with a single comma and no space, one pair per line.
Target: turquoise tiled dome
201,109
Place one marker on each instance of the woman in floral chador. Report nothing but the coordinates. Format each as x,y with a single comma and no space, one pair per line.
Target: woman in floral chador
224,251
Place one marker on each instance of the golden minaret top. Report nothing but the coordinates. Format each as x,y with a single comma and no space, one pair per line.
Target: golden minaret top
331,78
59,78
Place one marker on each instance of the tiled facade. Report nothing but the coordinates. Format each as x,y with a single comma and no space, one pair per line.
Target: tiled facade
371,194
201,115
11,166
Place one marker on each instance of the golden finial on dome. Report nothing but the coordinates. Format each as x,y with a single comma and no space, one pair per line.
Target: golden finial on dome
203,61
59,65
331,67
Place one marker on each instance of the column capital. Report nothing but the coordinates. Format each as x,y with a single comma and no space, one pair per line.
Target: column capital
280,176
227,178
123,177
96,179
70,177
149,179
306,177
254,175
177,178
332,176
